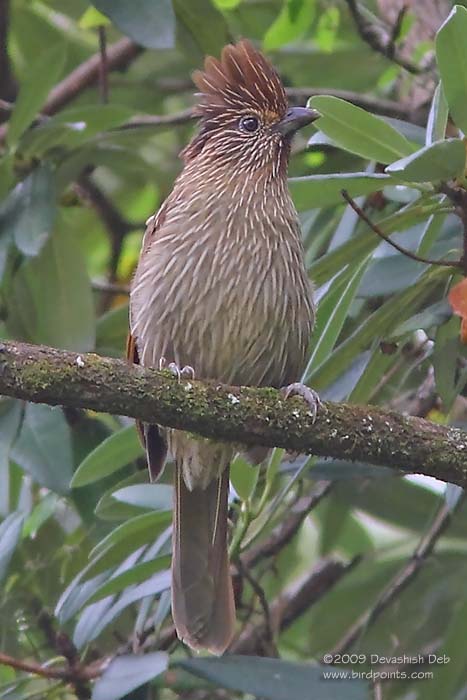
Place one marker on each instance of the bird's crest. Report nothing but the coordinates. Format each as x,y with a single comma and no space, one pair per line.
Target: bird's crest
242,81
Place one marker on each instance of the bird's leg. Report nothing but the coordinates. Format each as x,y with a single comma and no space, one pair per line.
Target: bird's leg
186,372
310,396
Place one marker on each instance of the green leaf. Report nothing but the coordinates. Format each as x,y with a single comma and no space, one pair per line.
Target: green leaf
274,679
438,117
11,414
71,128
43,447
390,274
112,454
363,243
359,132
323,190
449,672
154,496
41,513
201,26
293,22
447,350
92,18
90,626
60,311
451,54
28,214
112,331
227,4
125,673
378,324
135,574
441,160
244,477
431,230
108,508
150,23
149,523
42,76
431,317
336,317
110,553
10,534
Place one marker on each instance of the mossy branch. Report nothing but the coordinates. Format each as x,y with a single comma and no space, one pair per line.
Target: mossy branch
236,414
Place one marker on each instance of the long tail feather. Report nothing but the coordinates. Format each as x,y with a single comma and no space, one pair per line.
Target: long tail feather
202,596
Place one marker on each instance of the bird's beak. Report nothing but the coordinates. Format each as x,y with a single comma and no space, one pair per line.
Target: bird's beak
295,119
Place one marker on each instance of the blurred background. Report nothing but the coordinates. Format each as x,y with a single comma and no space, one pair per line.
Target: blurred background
328,557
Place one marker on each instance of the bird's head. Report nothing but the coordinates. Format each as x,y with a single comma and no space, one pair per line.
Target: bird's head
245,118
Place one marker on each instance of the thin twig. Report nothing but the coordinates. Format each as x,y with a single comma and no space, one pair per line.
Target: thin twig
402,578
110,287
103,66
374,227
380,41
259,591
117,227
82,673
8,84
293,602
287,529
119,56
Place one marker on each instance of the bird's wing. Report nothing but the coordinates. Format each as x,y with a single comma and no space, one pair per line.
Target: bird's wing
150,435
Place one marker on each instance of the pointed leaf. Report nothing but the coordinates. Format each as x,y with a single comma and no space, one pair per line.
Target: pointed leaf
118,450
321,190
41,78
274,679
154,496
125,673
438,117
43,447
292,23
28,213
10,534
441,160
244,477
135,574
59,312
451,54
336,318
150,23
358,131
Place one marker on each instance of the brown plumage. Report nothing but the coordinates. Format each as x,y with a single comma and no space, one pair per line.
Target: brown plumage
221,285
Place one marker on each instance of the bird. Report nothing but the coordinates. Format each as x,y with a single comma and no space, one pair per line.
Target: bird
221,292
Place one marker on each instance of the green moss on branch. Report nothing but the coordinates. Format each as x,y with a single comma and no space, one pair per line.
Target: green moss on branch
238,414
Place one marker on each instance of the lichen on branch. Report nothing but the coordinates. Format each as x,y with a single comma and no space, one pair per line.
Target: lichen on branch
246,415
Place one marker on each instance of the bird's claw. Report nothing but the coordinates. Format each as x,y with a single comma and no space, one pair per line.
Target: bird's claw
310,396
186,372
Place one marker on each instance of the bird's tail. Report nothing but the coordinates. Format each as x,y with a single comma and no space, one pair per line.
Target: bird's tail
203,606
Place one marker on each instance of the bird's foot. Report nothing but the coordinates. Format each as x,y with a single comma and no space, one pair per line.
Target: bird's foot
185,372
310,396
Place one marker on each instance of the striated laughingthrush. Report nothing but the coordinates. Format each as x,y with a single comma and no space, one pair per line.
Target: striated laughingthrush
221,286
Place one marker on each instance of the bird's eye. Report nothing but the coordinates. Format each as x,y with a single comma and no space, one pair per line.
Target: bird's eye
250,124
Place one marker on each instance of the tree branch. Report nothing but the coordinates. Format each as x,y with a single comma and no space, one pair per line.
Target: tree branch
81,673
402,578
388,108
243,415
380,40
292,603
119,55
379,232
288,528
